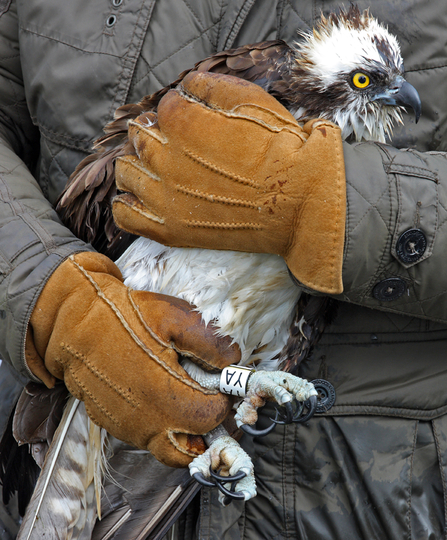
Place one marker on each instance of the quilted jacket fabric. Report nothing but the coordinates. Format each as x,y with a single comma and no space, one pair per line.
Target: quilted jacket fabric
62,81
63,72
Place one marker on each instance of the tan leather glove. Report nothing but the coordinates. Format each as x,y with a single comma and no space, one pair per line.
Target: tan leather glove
118,351
227,167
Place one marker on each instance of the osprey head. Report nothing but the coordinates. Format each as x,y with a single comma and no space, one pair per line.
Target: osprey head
350,71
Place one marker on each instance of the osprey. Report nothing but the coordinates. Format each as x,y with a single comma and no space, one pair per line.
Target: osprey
348,70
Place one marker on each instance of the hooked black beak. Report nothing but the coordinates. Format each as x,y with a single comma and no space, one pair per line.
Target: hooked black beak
403,94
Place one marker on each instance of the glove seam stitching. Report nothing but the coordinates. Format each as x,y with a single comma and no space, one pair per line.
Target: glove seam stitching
210,166
332,257
105,411
117,312
215,225
167,345
148,215
149,131
215,198
340,177
289,124
132,334
101,376
140,168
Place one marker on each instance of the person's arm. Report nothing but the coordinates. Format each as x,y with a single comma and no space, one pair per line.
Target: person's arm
33,242
66,314
230,169
396,234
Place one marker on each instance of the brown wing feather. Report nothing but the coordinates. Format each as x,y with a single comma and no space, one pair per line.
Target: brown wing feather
32,423
313,314
85,204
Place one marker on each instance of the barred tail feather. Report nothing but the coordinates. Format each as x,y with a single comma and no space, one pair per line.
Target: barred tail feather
65,502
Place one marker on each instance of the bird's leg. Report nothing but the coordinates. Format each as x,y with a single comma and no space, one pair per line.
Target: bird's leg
284,388
296,395
225,465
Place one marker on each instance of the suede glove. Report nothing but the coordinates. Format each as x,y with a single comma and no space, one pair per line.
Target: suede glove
223,165
118,351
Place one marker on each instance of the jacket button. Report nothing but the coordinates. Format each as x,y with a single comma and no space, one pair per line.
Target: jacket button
411,246
326,395
389,289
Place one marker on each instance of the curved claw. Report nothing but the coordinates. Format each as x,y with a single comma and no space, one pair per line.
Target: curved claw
277,418
235,478
297,417
289,417
219,481
289,412
198,476
311,405
230,494
246,428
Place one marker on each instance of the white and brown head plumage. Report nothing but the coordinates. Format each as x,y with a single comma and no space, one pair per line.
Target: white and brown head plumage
350,71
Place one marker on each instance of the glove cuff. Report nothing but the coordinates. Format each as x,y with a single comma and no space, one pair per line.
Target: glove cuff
315,254
48,304
35,363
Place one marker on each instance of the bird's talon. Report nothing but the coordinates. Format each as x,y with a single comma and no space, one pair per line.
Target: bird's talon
235,478
219,481
297,417
230,494
298,411
289,412
227,456
279,417
246,428
311,405
200,478
282,418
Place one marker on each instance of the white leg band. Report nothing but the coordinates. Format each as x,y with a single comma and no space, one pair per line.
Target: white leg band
234,379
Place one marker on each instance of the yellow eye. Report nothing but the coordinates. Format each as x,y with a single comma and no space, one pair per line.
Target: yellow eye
360,80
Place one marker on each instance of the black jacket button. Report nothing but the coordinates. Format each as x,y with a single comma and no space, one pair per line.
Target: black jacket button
411,246
326,395
389,289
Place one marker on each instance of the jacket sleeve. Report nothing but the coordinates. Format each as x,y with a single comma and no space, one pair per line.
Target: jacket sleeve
33,242
395,255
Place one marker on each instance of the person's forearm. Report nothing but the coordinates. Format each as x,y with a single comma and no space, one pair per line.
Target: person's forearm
394,255
33,243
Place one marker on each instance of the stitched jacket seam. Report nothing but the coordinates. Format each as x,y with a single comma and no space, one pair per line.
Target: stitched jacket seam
77,48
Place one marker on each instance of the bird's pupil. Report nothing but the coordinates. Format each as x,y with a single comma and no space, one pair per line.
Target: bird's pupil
362,79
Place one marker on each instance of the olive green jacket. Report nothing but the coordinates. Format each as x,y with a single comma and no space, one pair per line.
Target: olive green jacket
64,70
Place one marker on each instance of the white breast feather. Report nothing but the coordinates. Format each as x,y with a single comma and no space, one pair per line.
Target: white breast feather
248,296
